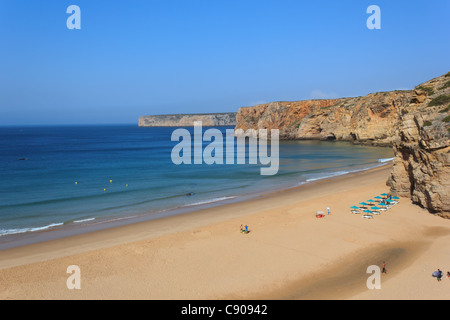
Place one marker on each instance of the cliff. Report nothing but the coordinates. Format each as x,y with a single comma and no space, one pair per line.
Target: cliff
415,122
371,119
187,120
421,167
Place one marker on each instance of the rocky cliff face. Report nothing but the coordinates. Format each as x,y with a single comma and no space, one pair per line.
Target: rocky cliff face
421,167
416,123
187,120
371,119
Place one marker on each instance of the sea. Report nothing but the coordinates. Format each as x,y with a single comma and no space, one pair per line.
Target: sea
63,180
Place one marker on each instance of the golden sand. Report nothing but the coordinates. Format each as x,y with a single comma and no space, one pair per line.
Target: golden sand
289,253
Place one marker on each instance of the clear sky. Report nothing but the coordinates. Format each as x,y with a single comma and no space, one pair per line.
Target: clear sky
144,57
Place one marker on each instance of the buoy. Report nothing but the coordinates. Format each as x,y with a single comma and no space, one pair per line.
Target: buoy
126,186
104,189
110,181
76,182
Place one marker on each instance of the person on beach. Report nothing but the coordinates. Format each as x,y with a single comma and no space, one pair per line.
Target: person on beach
242,230
328,209
448,275
439,277
384,268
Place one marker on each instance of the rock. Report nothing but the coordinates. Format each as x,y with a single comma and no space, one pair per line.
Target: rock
187,120
421,168
415,122
371,119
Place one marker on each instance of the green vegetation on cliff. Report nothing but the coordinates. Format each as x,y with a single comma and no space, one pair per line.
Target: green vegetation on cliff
428,90
440,100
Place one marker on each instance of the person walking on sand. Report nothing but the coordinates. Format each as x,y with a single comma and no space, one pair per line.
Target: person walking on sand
384,268
328,209
246,229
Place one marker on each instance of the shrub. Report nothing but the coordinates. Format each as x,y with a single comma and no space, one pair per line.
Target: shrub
428,90
442,99
445,110
447,74
446,119
446,85
427,123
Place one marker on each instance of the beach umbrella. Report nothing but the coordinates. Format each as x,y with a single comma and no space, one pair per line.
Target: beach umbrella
378,197
354,207
370,200
384,194
382,204
375,208
363,203
388,200
367,211
396,198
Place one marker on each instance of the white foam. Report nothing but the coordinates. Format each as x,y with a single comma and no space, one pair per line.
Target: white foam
4,232
210,201
385,160
340,173
83,220
329,175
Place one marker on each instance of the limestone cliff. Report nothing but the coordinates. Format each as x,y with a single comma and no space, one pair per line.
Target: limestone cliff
187,120
416,123
370,119
421,167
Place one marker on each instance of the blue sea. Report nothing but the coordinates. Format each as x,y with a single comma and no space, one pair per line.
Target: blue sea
65,178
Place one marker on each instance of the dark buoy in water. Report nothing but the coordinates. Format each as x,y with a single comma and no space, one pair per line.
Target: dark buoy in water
22,159
189,194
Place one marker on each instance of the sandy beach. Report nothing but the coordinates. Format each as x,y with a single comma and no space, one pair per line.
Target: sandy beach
288,254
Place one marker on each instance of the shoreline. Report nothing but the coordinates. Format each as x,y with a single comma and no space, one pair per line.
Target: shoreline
183,215
14,240
289,254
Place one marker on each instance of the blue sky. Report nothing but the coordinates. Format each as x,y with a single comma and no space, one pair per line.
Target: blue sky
137,57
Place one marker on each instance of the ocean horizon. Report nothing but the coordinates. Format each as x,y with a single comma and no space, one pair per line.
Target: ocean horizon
75,177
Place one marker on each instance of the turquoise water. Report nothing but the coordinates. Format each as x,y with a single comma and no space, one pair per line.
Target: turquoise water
57,177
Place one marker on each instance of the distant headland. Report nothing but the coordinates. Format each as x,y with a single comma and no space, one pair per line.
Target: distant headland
187,120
